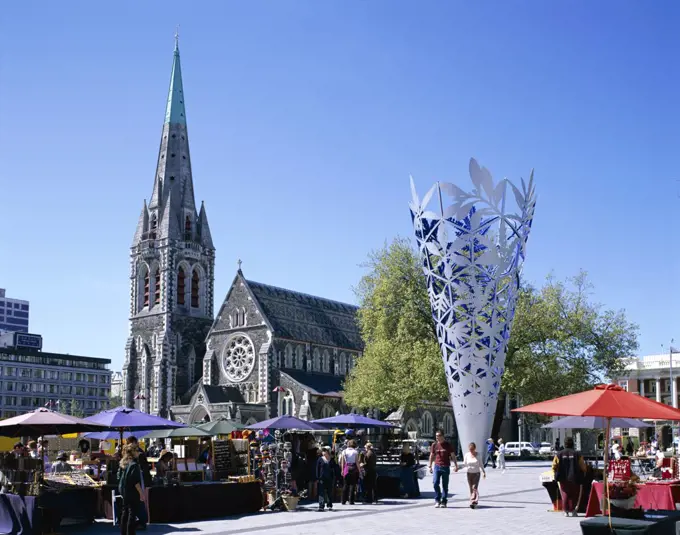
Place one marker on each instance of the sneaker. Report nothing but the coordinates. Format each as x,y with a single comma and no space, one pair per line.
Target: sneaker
437,505
320,509
330,507
574,513
443,505
567,514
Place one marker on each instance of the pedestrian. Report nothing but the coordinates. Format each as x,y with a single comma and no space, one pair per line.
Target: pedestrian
350,472
630,447
569,469
325,477
142,514
407,462
441,455
368,463
501,455
474,470
490,453
130,488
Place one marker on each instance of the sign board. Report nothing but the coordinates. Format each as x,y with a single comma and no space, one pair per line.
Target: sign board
30,341
619,470
634,432
221,455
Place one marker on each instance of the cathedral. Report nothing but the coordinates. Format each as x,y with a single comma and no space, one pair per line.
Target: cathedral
270,351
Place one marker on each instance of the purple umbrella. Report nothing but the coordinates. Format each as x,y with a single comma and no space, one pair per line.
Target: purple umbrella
353,420
287,422
115,435
125,419
45,422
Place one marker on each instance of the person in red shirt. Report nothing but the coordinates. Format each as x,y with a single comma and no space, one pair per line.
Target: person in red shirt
441,454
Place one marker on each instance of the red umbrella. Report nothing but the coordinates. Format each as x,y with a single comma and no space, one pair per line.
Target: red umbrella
607,401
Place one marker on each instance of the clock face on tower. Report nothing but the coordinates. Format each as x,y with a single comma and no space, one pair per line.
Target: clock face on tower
238,359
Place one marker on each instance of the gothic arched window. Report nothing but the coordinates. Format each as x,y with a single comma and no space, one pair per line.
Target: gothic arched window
187,229
343,363
242,321
288,357
154,226
181,286
195,282
299,357
316,361
146,287
427,424
326,362
448,425
157,287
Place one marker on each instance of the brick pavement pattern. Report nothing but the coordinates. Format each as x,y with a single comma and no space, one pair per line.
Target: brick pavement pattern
514,502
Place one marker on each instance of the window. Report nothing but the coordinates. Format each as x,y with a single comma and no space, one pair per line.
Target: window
195,280
187,229
327,411
80,390
24,307
20,314
448,425
326,362
80,377
146,287
299,357
157,287
316,361
11,401
288,405
624,385
66,376
343,364
288,357
66,390
427,424
11,372
26,372
181,281
154,226
91,378
10,386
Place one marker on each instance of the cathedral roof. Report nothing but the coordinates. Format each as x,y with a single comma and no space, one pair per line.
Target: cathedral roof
303,317
215,394
315,383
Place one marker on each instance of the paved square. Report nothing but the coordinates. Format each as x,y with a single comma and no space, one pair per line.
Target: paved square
514,502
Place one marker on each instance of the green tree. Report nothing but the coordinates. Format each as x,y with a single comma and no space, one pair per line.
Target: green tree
401,364
76,409
561,341
115,401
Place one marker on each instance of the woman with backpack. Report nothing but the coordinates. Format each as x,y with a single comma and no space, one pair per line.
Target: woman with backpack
130,488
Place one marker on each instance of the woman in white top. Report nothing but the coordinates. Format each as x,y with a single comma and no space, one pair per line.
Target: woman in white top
501,455
474,469
350,472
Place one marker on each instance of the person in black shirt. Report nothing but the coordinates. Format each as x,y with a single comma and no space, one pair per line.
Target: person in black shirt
146,478
407,462
569,468
325,477
130,488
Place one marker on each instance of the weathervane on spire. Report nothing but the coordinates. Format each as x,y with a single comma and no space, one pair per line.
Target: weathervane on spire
177,37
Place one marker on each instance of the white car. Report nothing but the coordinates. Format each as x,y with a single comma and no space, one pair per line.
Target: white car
512,448
545,449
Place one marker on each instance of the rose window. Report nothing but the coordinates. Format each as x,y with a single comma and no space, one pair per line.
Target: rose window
239,359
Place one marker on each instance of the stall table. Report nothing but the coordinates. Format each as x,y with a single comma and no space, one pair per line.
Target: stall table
662,495
201,501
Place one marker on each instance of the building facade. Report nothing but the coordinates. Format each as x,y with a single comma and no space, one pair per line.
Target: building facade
14,314
31,379
273,351
650,376
171,273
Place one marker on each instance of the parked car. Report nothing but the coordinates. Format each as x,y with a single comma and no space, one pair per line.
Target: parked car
545,448
513,448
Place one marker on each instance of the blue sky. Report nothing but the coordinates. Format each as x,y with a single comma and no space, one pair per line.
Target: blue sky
305,121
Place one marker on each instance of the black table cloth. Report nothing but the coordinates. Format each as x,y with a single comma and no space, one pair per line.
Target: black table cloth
655,523
202,501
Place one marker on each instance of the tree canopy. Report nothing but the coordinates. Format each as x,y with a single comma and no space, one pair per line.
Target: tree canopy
561,341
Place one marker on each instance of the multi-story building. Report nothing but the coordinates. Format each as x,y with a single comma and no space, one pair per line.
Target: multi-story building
13,314
650,376
30,379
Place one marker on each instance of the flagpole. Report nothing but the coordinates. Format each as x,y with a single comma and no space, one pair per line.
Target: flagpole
674,401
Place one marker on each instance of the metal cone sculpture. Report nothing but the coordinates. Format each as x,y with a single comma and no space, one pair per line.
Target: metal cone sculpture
472,248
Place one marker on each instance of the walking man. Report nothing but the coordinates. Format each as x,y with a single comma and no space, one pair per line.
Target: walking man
441,455
490,453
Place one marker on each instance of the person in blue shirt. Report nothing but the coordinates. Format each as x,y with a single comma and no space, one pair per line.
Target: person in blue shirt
325,475
490,453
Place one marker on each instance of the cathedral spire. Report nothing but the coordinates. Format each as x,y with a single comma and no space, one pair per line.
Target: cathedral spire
174,111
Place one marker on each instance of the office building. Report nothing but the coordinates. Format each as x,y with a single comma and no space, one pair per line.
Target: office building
30,379
13,314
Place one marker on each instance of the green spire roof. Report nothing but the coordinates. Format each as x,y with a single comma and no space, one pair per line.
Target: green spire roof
174,112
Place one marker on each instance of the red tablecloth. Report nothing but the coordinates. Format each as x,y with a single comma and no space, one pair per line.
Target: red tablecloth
659,496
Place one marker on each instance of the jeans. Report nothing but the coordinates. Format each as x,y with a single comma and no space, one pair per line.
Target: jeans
406,477
370,480
490,457
128,518
441,473
142,514
325,490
